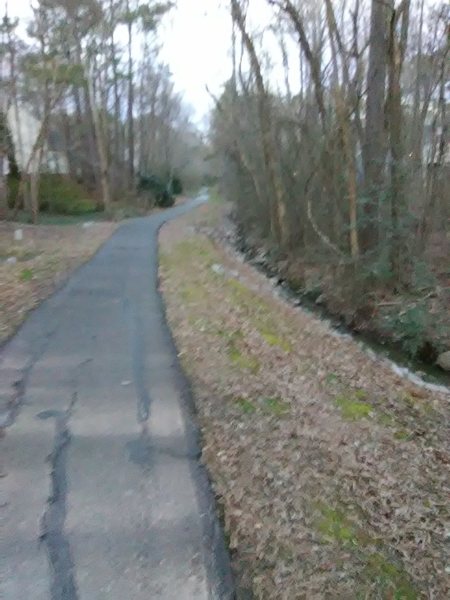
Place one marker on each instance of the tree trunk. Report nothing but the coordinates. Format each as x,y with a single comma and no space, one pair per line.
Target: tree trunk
85,120
34,197
437,166
279,221
374,151
130,99
396,52
100,142
115,84
3,187
345,128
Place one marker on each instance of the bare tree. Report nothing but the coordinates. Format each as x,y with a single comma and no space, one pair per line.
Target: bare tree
279,225
354,149
375,140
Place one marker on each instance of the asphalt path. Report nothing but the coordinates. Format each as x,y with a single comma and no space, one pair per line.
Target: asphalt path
103,496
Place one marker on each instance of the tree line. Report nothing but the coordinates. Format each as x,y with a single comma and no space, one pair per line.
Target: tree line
91,74
346,164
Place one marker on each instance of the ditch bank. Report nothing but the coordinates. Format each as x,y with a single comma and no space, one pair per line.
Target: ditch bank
356,322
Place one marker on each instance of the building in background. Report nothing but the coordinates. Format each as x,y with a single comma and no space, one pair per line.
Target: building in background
25,131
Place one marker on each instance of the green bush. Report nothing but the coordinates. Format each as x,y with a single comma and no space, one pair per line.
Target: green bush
177,186
158,189
58,194
166,200
61,195
409,328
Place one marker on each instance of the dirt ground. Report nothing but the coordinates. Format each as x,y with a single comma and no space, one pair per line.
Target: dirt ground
31,269
331,470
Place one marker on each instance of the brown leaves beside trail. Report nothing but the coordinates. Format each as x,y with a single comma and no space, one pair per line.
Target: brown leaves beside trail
42,260
332,472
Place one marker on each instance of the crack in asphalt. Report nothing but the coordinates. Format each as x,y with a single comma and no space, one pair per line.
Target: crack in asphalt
137,361
63,585
15,404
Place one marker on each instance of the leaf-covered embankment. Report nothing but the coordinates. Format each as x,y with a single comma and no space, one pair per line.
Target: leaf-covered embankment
331,471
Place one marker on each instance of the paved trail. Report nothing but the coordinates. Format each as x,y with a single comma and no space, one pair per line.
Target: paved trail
103,497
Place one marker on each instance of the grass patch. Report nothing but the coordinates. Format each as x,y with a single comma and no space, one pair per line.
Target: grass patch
243,361
232,337
201,324
51,219
332,379
191,293
241,293
198,252
273,406
194,253
403,436
276,406
26,275
391,580
275,340
360,394
386,419
259,314
353,409
334,525
245,405
254,305
378,573
237,356
417,405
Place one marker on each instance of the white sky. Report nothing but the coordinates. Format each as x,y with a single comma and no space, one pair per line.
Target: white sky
196,43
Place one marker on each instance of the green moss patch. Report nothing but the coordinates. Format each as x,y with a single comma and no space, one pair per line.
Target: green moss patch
332,379
276,406
391,580
380,575
275,340
353,409
190,253
335,526
403,436
191,293
26,275
245,405
242,360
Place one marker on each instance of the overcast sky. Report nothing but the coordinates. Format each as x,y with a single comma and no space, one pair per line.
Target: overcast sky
197,46
196,43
